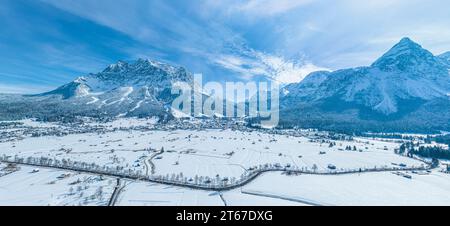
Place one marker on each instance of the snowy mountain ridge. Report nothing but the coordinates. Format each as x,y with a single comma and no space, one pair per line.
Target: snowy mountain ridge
407,88
138,88
405,72
150,75
445,57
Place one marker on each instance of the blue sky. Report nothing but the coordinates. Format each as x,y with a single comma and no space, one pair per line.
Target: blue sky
46,43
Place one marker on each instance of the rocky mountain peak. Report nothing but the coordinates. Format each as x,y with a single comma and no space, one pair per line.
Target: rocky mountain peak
142,71
407,56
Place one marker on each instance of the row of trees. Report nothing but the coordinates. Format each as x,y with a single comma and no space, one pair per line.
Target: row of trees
180,179
73,165
411,149
431,152
216,182
444,139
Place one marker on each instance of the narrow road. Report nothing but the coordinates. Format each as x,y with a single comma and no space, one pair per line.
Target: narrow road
299,200
113,198
150,165
223,199
208,187
117,190
146,164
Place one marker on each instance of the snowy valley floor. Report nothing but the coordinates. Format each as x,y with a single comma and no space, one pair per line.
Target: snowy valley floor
47,187
211,153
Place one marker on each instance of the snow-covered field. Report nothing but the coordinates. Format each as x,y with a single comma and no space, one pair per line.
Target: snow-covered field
208,153
56,187
365,189
49,187
238,198
151,194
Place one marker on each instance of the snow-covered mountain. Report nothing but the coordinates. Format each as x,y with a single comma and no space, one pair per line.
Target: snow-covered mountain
397,84
445,57
139,88
151,78
407,88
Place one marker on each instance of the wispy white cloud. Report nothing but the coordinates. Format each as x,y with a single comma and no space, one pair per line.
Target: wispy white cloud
288,71
268,7
247,67
207,38
240,39
350,33
275,68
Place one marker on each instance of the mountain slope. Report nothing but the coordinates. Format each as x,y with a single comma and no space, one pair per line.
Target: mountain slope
406,89
140,88
394,88
445,57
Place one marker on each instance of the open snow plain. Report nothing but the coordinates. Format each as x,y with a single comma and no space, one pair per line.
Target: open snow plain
381,188
213,153
49,187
